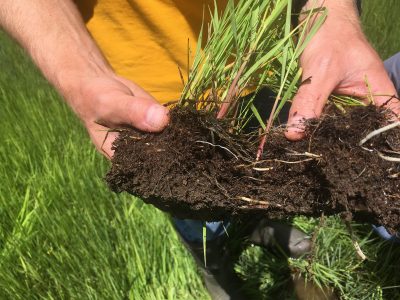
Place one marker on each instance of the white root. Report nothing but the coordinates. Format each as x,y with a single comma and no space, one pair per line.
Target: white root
255,179
397,175
263,169
258,202
219,146
359,252
379,131
392,152
254,163
388,158
135,137
294,162
356,245
308,154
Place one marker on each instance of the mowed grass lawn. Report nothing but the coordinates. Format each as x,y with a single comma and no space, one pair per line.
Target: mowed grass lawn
63,235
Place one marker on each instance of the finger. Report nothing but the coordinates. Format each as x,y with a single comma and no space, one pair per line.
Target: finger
143,113
103,139
146,114
376,87
384,93
307,104
393,105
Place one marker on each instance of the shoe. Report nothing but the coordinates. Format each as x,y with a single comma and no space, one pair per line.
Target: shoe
292,241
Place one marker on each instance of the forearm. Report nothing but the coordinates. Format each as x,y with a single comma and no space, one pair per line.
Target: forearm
56,38
54,35
342,24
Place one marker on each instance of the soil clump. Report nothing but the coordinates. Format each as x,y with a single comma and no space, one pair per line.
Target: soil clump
196,168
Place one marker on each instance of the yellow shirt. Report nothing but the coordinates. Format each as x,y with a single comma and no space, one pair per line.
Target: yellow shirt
146,40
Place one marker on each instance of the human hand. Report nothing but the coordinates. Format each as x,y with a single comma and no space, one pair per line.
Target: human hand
109,102
70,59
339,60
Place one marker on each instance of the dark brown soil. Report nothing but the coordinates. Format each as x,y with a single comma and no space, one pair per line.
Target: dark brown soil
196,169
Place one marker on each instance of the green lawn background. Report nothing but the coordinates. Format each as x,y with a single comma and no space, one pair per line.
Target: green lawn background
63,235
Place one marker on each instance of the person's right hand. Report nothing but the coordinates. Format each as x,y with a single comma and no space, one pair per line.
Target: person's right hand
70,59
109,102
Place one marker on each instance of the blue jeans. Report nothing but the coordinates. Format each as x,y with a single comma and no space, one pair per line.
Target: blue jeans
192,230
392,66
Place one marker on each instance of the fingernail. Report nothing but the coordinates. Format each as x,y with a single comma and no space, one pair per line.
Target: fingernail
157,117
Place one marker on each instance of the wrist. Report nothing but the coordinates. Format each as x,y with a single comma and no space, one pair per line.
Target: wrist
345,10
348,5
342,17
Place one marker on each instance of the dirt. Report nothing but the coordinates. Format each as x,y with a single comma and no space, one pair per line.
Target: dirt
197,168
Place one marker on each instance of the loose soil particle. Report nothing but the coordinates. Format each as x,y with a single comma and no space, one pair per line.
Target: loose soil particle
197,169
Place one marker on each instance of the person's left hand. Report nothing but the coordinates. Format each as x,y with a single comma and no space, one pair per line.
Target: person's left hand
338,60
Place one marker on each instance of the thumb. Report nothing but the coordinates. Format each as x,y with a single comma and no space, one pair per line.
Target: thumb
143,113
307,104
147,114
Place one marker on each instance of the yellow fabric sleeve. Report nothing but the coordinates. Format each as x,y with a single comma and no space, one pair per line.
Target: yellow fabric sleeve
146,40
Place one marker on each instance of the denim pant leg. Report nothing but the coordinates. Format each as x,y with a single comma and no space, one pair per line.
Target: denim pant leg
192,230
383,233
392,66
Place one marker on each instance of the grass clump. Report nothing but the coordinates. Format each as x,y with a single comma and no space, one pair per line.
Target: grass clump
251,45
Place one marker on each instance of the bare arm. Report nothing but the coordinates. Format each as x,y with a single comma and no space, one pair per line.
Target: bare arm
54,35
338,59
